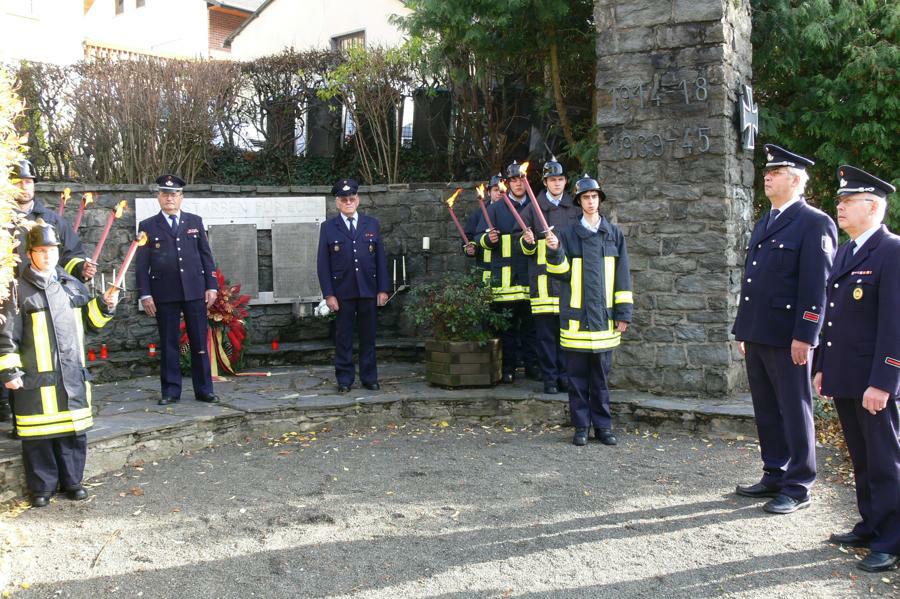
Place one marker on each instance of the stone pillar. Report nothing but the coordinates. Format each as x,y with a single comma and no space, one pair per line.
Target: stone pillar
679,184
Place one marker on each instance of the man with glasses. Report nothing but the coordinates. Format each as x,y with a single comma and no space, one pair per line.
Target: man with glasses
858,362
778,322
353,276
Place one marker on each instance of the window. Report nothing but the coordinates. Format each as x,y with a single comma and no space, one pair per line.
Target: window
120,6
351,40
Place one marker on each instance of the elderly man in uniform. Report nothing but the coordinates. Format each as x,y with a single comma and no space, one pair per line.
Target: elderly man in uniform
71,253
353,276
509,277
778,322
858,363
561,214
175,276
42,360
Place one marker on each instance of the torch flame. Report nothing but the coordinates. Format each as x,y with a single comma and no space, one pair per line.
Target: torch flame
523,168
142,238
120,208
452,198
502,186
66,194
480,191
87,198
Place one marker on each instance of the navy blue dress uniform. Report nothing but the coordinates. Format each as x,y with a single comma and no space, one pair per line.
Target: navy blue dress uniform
861,349
352,267
544,290
176,268
475,219
42,342
782,299
596,292
509,282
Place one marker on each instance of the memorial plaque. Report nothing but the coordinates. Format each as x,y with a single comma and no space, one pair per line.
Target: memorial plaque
234,248
294,248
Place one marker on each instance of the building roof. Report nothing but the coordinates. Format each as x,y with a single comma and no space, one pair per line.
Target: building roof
262,6
245,5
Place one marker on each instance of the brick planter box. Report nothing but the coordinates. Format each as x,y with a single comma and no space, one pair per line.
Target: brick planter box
457,364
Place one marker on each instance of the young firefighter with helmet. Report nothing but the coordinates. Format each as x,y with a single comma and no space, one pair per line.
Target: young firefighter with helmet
42,362
595,307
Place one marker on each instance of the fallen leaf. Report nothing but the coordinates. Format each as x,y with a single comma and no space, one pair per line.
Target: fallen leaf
137,491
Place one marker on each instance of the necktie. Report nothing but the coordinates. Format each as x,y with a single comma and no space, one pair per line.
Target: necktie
174,220
849,255
772,216
352,228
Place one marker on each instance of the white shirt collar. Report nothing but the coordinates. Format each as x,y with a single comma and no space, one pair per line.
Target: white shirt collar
865,237
787,205
590,227
168,217
555,200
346,219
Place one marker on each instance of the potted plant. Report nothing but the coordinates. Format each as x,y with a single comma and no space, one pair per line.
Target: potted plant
463,351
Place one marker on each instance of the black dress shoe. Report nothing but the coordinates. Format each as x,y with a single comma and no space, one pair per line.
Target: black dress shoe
343,388
508,378
782,504
208,398
164,400
78,494
850,539
580,438
562,385
40,500
606,436
879,562
533,373
756,491
372,386
550,388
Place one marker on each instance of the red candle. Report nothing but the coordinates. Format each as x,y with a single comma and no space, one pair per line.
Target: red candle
459,228
63,198
537,209
85,200
104,353
151,350
512,208
92,355
141,240
487,218
116,213
274,344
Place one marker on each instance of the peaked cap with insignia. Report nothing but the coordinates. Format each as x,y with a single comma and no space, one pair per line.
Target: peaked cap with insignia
855,180
777,156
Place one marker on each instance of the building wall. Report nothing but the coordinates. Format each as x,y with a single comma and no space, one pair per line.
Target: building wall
221,25
41,30
160,27
313,23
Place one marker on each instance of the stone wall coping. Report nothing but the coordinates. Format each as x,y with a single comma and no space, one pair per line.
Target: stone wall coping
79,187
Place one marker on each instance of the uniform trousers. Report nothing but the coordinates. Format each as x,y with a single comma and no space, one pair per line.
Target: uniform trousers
54,463
355,315
782,406
875,453
168,322
589,388
551,356
518,339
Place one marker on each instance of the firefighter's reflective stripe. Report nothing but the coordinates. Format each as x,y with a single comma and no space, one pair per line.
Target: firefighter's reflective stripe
87,393
486,277
526,249
507,292
9,361
623,297
574,338
506,246
559,269
71,264
575,300
487,256
609,278
544,303
49,407
43,355
79,333
97,318
485,239
36,425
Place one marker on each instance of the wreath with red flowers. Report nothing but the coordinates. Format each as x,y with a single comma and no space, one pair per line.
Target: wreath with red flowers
227,327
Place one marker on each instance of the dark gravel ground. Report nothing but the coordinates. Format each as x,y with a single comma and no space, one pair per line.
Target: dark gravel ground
443,512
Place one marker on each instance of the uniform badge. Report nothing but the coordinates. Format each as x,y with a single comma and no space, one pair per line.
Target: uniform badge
769,157
858,293
843,183
371,248
827,246
157,245
892,362
337,247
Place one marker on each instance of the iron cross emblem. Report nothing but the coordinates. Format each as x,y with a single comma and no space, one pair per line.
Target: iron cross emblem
749,118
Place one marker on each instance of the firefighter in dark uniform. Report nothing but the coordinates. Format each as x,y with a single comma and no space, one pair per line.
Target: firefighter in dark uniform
778,322
561,214
175,276
595,307
509,277
473,249
353,276
71,253
42,360
858,362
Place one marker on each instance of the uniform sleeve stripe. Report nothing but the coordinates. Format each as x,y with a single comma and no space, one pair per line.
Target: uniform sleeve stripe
811,316
71,264
98,319
560,268
9,361
624,297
